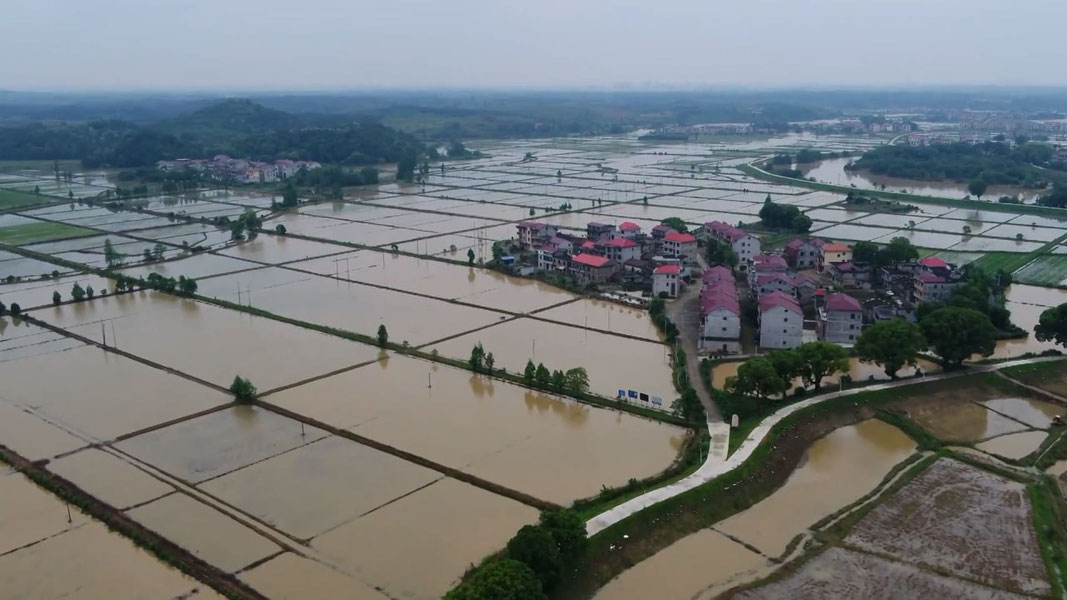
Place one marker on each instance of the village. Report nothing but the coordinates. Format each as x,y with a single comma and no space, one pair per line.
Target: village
241,170
810,289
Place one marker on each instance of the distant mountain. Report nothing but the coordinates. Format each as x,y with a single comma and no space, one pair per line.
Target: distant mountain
238,115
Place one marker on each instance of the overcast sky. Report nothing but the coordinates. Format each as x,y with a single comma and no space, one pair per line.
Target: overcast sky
342,44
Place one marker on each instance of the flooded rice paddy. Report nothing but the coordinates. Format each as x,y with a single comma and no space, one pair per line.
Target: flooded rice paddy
299,513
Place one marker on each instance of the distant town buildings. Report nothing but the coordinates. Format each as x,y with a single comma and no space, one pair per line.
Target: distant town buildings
239,169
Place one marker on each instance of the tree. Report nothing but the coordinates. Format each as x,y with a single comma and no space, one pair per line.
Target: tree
542,376
675,223
1052,326
506,579
529,374
865,252
280,229
56,298
477,359
470,256
559,380
801,223
820,359
577,380
977,187
369,175
383,336
242,389
289,196
111,255
899,250
77,293
892,344
405,167
786,364
2,308
956,333
158,250
490,361
89,291
534,546
757,377
187,285
15,309
721,254
568,530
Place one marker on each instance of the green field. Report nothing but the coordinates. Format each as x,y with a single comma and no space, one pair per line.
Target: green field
957,258
13,199
1049,269
1006,261
16,235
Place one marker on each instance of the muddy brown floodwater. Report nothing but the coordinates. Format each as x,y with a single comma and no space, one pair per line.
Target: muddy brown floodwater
1014,445
835,470
552,448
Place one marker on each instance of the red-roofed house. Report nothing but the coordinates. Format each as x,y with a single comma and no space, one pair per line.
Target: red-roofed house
803,253
745,245
667,279
840,319
932,262
763,264
619,249
599,232
629,230
720,311
681,245
832,253
589,268
930,287
781,321
774,282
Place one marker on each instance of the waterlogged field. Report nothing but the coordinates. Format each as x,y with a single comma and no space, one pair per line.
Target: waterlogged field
360,462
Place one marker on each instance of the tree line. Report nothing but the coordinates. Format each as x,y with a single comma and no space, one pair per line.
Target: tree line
783,216
992,163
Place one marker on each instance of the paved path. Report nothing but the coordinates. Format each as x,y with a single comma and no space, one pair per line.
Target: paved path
685,313
714,467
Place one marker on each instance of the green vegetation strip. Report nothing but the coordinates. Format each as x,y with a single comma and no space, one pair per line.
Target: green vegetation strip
115,520
40,232
1049,515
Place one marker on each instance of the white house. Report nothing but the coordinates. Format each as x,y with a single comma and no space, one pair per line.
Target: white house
620,249
840,319
667,279
774,282
781,322
720,312
745,245
681,245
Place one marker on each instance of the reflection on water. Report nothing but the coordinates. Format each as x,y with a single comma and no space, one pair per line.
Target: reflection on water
858,371
1026,303
833,171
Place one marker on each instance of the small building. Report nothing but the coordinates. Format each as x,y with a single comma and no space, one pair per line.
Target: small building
850,274
833,253
533,233
629,230
803,253
619,249
588,268
762,264
840,319
805,289
667,279
931,287
781,321
599,232
774,282
745,245
681,245
660,231
720,312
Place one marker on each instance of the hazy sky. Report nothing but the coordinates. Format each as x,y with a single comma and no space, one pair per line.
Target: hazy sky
290,44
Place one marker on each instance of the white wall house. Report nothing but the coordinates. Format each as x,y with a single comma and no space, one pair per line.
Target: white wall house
781,322
840,319
667,279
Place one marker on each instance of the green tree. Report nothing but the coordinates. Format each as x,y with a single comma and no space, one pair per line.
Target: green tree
956,333
56,298
721,254
187,285
383,336
568,530
158,250
405,167
3,308
865,252
1052,326
900,250
529,374
490,361
675,223
977,187
470,256
477,359
801,223
506,579
820,359
543,376
559,380
786,364
369,175
15,309
892,344
289,196
242,389
89,292
534,546
77,293
758,378
280,229
577,380
111,256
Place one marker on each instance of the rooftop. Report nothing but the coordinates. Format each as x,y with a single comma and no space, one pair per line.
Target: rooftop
590,260
779,299
668,269
620,243
932,261
835,248
842,302
680,238
629,226
726,230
